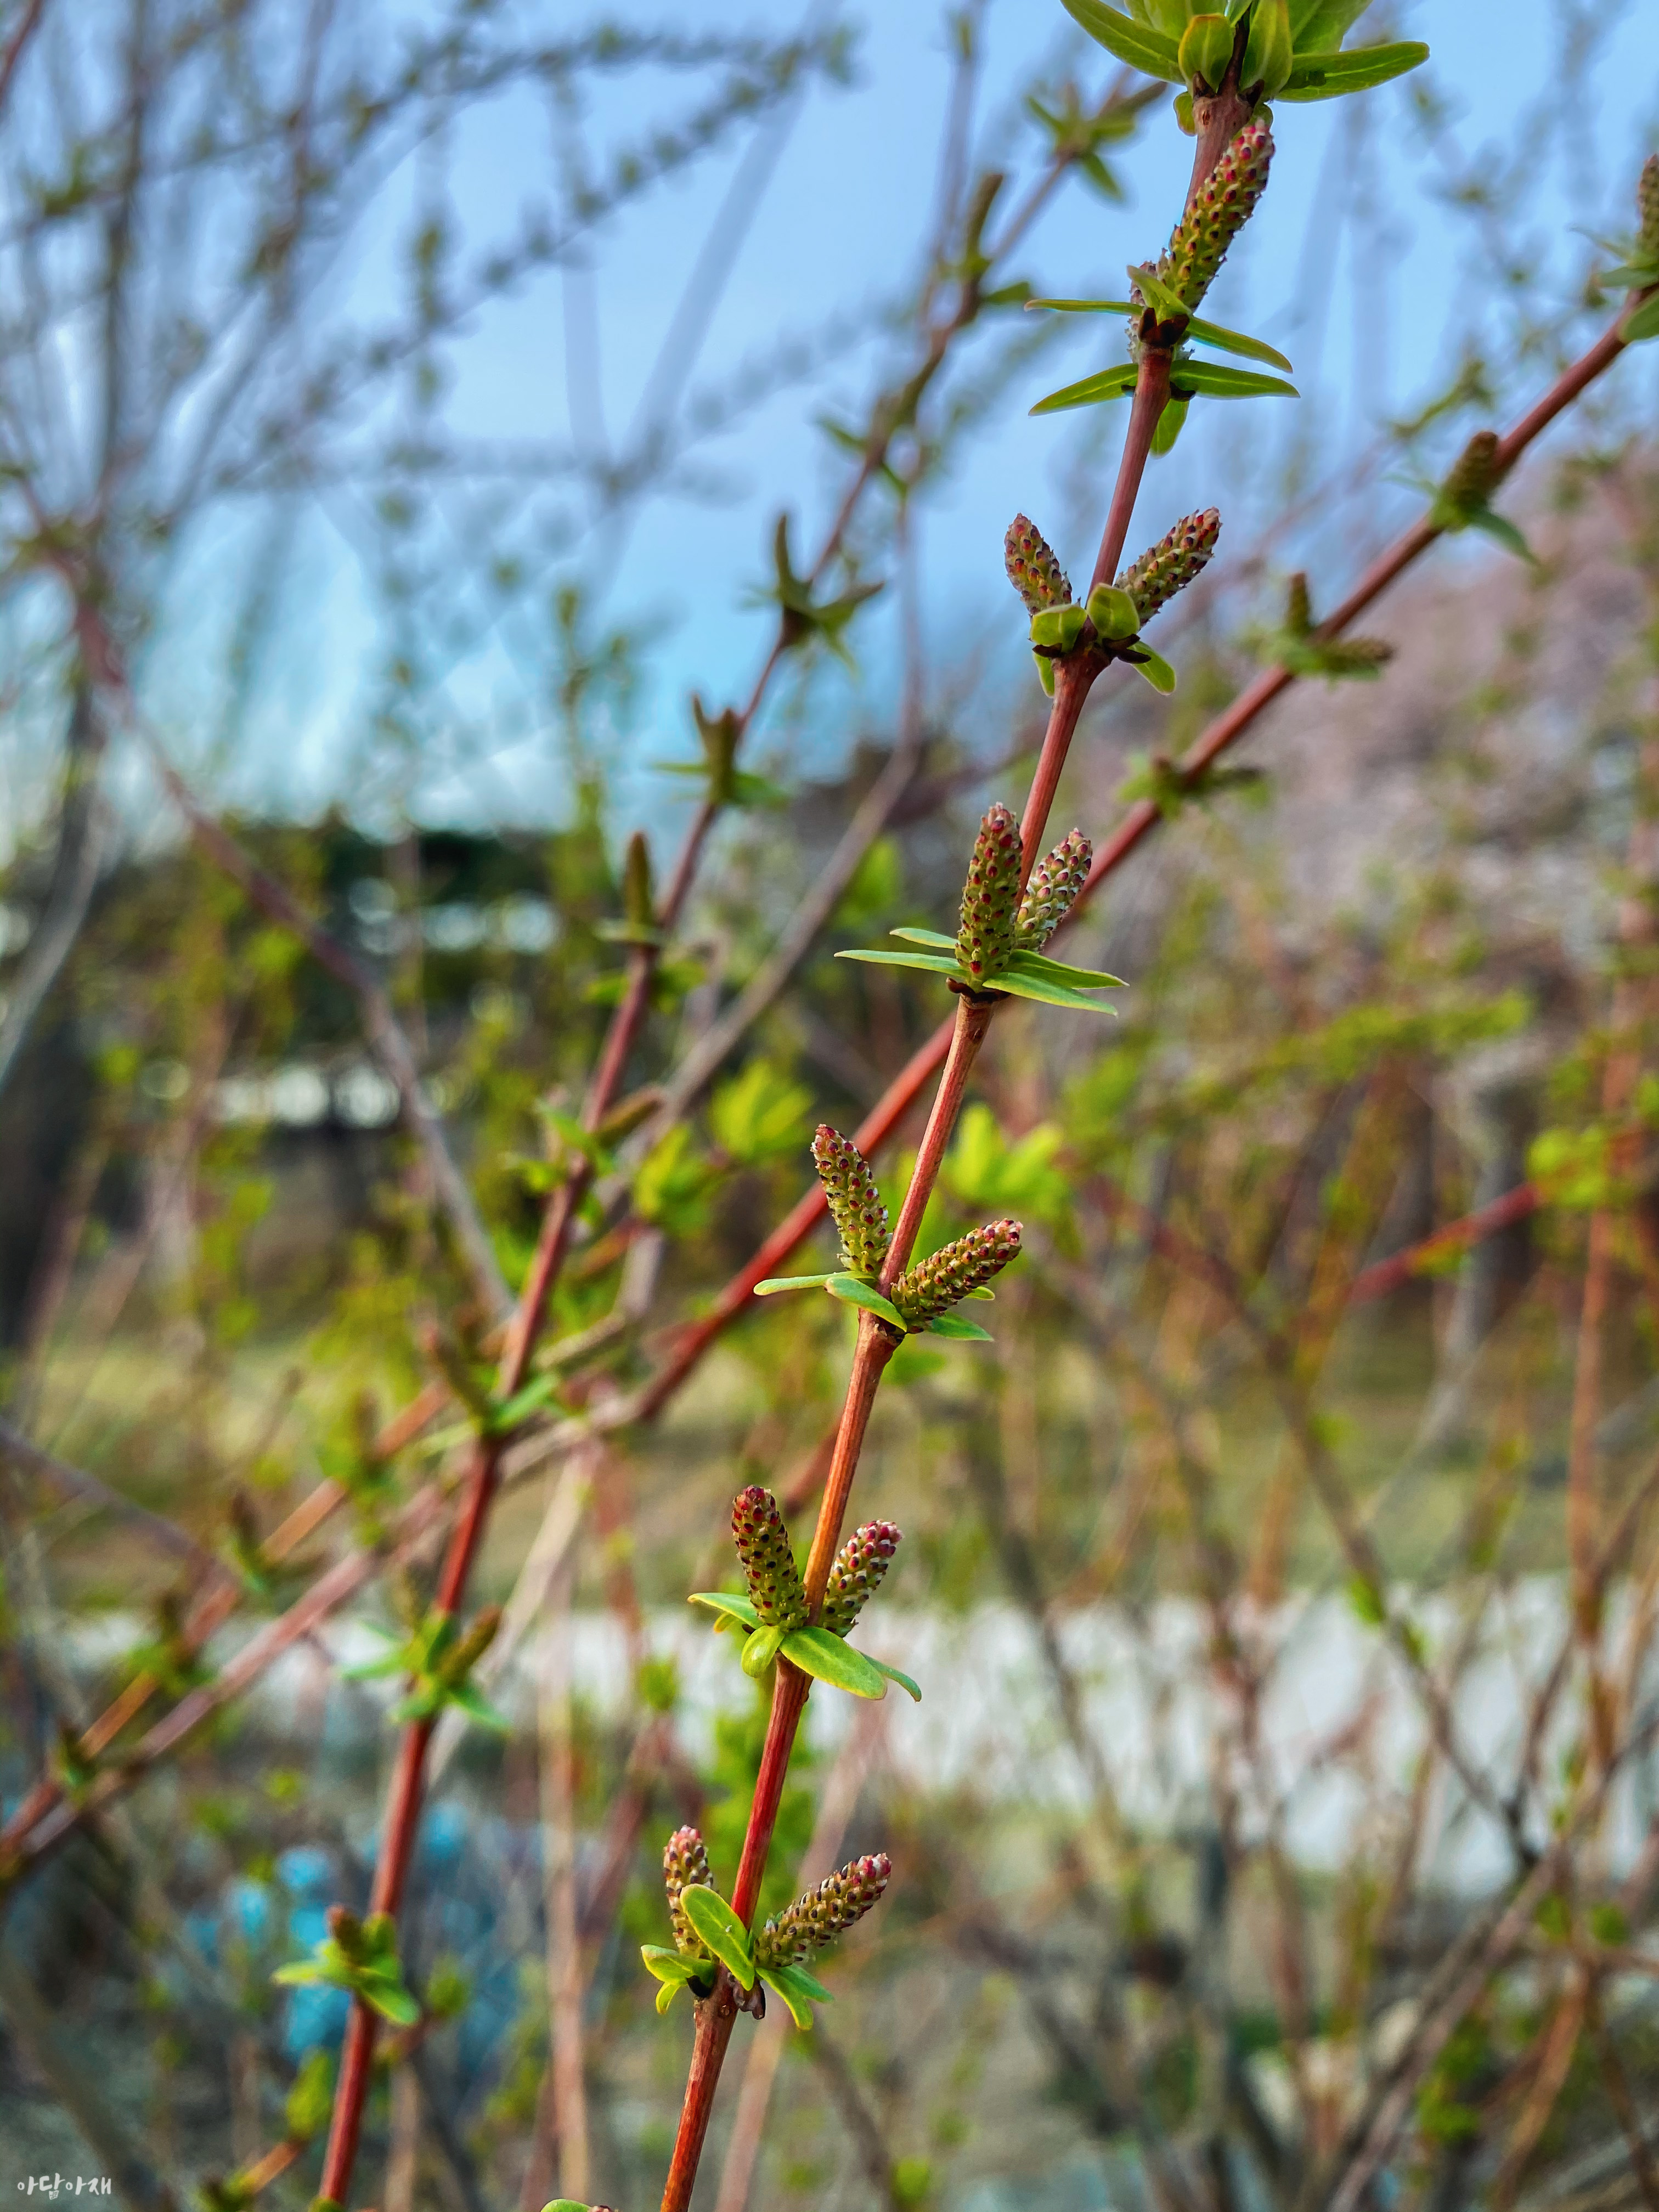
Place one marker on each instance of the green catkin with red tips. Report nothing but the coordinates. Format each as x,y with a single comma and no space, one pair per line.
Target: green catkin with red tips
1033,571
936,1284
1170,565
1192,261
685,1866
990,897
857,1574
769,1563
1647,209
1053,891
839,1902
1475,475
855,1205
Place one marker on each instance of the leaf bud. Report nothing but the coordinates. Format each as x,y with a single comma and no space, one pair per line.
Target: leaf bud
768,1564
1114,613
1206,51
685,1866
855,1204
936,1284
1271,53
1169,566
639,902
990,896
1475,475
1647,209
839,1902
1033,571
856,1576
1056,882
1220,210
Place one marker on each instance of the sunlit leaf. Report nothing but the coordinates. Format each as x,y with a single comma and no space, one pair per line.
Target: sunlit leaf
1329,76
1110,384
1143,49
716,1925
816,1652
854,1291
740,1609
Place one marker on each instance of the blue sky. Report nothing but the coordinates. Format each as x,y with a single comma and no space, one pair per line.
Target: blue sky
1355,267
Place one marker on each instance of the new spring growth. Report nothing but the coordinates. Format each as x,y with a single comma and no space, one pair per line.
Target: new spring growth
685,1866
1033,570
1192,261
1169,566
839,1902
942,1281
990,897
769,1563
1056,883
1647,209
855,1204
859,1568
1464,499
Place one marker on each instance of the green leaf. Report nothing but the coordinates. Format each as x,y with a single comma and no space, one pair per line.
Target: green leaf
1329,76
1216,382
854,1291
932,963
670,1965
510,1412
1212,334
1056,971
1644,324
1143,49
903,1680
928,937
761,1651
1503,531
1087,306
1110,384
1320,26
956,1327
666,1994
1156,671
1168,305
391,2000
1051,994
740,1609
302,1973
799,1990
1171,424
469,1698
713,1921
816,1651
774,1284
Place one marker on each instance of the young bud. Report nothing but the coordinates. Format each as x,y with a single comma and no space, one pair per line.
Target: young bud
1206,49
1299,607
1195,255
685,1866
990,896
856,1576
856,1206
1475,475
346,1928
839,1902
1053,891
639,899
1647,209
458,1663
1271,53
1113,612
1170,565
1032,568
933,1285
768,1562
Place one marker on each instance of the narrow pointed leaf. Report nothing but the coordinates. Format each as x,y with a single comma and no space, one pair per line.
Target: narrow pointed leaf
1111,383
740,1609
670,1965
1327,76
1167,306
1052,995
1087,306
903,1680
469,1698
816,1652
788,1982
932,938
932,963
1211,377
956,1326
854,1292
775,1285
1057,971
392,2002
713,1920
1503,532
1644,324
1143,49
1157,672
1212,334
761,1651
667,1993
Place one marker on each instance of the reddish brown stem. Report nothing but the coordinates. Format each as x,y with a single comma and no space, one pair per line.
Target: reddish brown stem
973,1021
1152,396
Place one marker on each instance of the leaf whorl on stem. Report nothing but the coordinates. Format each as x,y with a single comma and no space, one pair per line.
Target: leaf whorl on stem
1192,261
1033,570
769,1563
855,1204
1056,883
839,1902
857,1574
990,897
1170,565
685,1866
936,1284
